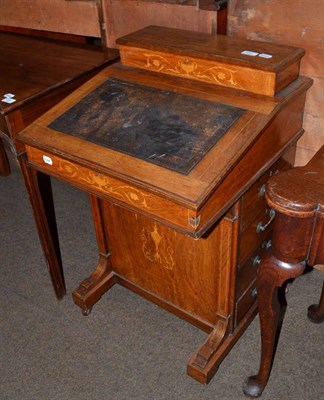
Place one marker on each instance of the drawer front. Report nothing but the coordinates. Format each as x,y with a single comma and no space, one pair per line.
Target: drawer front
255,214
113,189
229,75
247,273
245,302
253,200
255,234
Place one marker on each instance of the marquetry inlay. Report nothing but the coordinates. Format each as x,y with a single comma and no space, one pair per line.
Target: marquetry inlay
235,76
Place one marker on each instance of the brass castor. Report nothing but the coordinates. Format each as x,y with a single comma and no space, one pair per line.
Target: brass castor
86,311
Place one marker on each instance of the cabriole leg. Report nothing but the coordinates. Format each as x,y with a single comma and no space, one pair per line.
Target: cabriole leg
272,274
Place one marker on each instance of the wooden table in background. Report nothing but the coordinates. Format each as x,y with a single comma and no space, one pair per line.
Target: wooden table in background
174,157
39,73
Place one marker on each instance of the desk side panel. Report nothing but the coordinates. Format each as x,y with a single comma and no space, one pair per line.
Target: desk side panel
194,275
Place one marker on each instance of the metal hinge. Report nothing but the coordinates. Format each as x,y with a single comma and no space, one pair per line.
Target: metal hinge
194,221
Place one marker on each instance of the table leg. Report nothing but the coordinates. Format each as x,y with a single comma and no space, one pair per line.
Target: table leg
4,163
40,194
316,311
102,278
272,274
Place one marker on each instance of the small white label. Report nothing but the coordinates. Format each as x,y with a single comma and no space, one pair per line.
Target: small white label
249,53
8,100
263,55
47,160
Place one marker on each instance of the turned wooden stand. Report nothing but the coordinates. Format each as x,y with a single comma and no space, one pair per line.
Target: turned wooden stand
297,196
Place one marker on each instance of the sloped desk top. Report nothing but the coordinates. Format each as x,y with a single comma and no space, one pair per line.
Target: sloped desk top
191,199
168,129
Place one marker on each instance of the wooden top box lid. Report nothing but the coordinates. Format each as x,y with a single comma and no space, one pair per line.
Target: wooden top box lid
254,66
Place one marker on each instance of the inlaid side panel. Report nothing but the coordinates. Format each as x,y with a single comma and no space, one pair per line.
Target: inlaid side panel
194,275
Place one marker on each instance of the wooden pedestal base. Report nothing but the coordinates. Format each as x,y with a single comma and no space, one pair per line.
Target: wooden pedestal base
204,363
194,279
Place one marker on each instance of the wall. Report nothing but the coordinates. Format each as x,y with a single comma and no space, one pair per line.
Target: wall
126,16
299,23
73,17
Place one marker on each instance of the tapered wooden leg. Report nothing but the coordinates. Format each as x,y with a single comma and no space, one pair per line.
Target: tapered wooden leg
102,278
40,194
316,311
4,163
272,274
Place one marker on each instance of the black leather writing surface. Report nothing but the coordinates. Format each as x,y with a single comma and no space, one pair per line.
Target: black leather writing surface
166,128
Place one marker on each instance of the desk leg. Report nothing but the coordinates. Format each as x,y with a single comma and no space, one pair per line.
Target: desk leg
40,194
316,311
272,274
102,278
4,163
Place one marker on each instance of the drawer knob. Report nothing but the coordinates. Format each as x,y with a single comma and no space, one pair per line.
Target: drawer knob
256,260
254,293
272,173
263,226
267,245
262,190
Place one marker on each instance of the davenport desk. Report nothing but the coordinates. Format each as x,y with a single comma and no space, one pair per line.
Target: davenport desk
35,74
174,146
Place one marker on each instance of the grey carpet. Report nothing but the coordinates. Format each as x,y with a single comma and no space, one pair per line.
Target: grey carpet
127,348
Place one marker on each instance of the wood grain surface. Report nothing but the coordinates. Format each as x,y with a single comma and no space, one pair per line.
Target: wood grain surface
242,64
186,16
75,17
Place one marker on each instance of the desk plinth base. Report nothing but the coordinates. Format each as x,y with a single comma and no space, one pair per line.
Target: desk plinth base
204,373
193,279
92,288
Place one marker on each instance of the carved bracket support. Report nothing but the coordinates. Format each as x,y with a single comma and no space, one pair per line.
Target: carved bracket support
204,363
209,348
92,288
